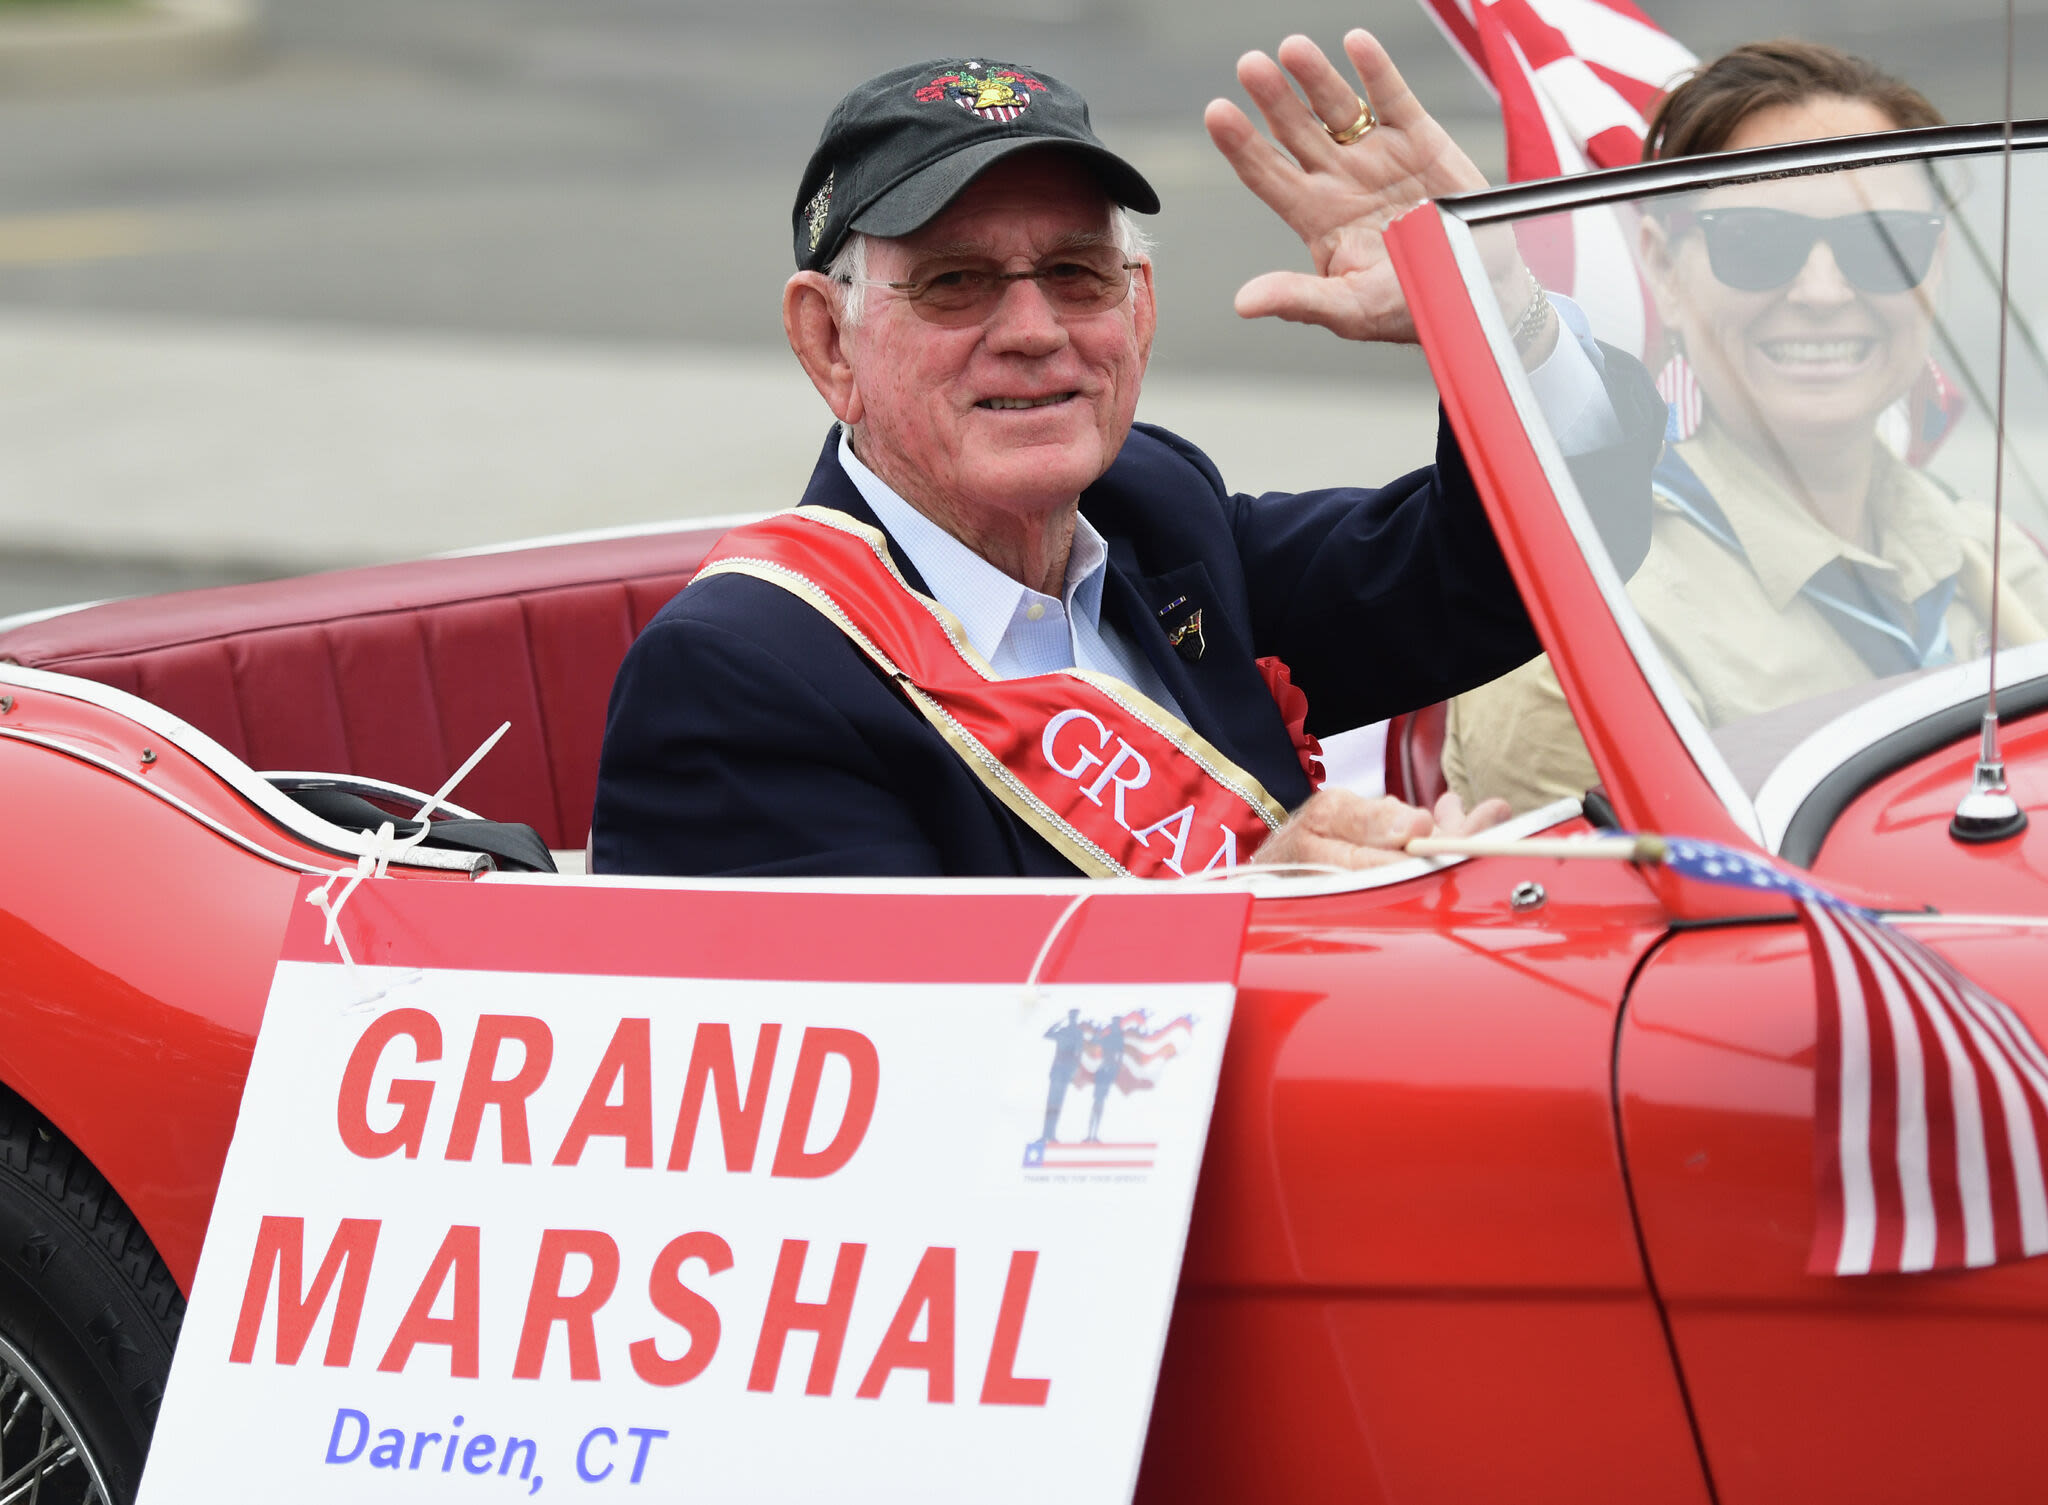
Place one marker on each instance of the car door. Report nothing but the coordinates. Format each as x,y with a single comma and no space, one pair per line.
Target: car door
1412,1274
1805,1387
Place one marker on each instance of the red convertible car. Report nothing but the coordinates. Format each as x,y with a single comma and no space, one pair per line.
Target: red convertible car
1510,1186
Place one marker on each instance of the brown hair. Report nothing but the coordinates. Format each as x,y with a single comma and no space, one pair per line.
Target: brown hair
1701,113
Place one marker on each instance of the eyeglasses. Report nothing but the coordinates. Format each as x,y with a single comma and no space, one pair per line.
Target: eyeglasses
1754,250
959,293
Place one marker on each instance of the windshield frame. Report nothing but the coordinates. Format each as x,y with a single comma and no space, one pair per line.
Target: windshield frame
1614,185
1766,817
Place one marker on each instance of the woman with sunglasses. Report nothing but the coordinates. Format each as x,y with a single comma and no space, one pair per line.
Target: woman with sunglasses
1794,553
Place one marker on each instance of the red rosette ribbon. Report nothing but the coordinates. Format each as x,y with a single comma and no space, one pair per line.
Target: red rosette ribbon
1293,704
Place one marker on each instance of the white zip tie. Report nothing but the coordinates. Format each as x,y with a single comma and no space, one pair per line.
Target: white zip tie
463,772
375,862
1038,965
385,845
332,935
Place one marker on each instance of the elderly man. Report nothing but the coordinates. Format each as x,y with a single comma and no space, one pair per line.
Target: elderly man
1009,632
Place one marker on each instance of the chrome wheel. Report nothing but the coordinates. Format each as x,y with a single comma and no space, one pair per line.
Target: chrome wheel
43,1460
89,1316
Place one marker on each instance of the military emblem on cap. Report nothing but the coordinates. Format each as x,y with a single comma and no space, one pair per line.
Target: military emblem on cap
819,207
994,94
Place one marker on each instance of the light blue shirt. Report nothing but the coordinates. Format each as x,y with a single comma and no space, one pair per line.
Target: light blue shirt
1018,630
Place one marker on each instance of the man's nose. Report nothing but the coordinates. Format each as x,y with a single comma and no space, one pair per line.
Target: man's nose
1024,321
1820,283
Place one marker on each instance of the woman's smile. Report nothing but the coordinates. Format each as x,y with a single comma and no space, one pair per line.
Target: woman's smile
1818,357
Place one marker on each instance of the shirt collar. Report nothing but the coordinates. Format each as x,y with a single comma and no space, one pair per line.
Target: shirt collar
1787,545
984,599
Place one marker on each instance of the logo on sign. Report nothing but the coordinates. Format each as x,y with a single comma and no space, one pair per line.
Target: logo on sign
1093,1064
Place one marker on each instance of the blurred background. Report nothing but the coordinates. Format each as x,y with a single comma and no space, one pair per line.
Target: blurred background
323,282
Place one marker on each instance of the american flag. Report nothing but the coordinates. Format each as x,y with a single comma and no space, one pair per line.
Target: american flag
1089,1155
994,112
1680,390
1931,1095
1576,79
1146,1051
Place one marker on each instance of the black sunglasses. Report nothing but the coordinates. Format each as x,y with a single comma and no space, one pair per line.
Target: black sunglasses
1755,250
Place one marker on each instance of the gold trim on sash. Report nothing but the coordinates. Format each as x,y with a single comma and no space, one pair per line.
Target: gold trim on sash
1193,743
1071,843
1206,756
1006,786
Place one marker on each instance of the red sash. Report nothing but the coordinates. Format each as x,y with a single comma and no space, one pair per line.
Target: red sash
1116,783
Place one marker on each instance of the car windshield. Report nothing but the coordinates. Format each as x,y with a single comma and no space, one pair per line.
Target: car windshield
1827,342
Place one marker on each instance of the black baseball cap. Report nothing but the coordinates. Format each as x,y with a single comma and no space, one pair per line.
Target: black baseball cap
900,147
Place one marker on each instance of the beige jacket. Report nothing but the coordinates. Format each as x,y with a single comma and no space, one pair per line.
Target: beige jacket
1738,634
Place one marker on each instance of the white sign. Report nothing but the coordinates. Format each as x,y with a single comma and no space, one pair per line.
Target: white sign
709,1196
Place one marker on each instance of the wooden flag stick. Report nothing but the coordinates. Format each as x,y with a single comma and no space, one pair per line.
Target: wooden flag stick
1611,848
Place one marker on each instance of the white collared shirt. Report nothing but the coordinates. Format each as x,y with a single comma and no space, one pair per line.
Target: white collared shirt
1019,631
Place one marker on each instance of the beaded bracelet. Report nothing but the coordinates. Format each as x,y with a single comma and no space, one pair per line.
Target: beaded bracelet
1535,317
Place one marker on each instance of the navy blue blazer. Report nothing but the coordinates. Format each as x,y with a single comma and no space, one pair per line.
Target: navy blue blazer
748,737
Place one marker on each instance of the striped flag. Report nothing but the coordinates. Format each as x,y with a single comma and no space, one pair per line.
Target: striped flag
1931,1096
1089,1155
1584,74
1575,80
1937,1094
1146,1050
1680,390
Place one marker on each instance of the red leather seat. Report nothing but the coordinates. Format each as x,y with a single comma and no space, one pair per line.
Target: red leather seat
398,671
1415,756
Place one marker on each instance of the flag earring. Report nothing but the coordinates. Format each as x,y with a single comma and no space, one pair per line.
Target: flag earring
1680,390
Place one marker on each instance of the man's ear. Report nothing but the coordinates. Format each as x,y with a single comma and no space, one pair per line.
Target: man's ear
810,318
1145,311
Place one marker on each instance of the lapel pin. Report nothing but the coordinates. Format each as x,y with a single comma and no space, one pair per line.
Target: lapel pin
1185,637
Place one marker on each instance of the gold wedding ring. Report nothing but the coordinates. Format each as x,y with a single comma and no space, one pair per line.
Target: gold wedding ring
1365,122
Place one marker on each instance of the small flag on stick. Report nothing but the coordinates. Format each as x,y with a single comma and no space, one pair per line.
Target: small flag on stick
1931,1096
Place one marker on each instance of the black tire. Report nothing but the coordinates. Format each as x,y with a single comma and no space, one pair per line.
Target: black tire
87,1308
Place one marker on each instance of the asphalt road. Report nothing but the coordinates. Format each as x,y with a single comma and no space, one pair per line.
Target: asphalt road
615,175
621,170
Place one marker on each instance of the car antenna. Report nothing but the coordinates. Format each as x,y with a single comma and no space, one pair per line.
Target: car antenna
1988,812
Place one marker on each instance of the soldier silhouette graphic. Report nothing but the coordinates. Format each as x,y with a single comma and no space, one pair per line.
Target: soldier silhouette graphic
1068,1040
1111,1039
